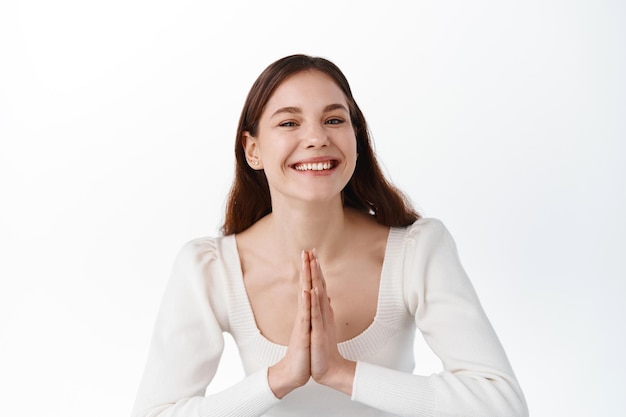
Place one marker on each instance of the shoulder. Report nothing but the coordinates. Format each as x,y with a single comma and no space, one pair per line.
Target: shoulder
426,230
431,264
206,255
200,273
428,240
199,249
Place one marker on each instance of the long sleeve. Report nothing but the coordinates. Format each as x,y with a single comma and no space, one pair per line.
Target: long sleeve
477,379
187,344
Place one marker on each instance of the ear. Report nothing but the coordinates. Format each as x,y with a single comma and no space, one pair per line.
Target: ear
251,150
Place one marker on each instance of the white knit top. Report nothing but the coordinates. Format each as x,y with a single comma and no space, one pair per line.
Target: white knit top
422,286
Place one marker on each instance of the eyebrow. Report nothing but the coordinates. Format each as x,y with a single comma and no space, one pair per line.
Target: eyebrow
298,110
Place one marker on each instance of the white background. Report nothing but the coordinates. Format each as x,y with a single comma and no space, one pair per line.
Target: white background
505,119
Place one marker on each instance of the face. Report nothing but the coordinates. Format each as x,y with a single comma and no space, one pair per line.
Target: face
305,140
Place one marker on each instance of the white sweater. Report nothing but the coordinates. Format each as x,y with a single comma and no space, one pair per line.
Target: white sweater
422,286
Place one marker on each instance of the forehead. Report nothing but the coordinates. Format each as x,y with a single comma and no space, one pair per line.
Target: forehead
306,90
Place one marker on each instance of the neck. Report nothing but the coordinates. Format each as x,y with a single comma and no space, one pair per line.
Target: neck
306,226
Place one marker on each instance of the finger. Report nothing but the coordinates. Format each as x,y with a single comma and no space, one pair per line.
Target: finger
317,278
306,288
302,325
301,333
306,312
305,271
318,267
317,319
331,312
322,299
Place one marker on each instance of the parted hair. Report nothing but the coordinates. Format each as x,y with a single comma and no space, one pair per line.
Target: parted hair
368,190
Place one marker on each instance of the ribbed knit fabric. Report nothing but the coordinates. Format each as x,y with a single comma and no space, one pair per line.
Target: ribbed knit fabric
394,391
422,286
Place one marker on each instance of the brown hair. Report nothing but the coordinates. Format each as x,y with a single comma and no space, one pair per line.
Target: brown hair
368,190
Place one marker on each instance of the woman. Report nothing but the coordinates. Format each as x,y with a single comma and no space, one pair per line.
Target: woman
322,276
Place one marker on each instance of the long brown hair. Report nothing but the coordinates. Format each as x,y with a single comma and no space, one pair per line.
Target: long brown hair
368,190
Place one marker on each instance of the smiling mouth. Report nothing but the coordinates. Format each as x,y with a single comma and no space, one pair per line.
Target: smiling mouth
315,166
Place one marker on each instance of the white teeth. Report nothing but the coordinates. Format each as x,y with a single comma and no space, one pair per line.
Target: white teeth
320,166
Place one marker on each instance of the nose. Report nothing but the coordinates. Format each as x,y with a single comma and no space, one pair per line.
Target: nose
315,136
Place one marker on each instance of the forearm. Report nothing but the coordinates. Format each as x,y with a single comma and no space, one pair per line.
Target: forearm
251,397
441,394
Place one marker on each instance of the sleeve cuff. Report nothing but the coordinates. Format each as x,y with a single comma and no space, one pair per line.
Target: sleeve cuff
249,398
393,391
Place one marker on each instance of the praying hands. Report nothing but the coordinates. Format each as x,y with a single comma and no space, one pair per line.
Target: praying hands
312,350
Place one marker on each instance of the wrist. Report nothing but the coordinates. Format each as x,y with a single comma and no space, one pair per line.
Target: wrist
341,378
279,381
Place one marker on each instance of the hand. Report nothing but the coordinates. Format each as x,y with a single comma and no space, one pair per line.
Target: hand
294,369
328,367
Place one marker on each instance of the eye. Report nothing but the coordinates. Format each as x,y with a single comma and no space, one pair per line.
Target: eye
288,124
334,121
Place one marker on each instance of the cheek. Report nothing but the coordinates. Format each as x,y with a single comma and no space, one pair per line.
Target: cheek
353,144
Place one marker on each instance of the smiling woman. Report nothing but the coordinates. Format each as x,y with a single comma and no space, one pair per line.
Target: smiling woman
367,190
307,150
322,276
